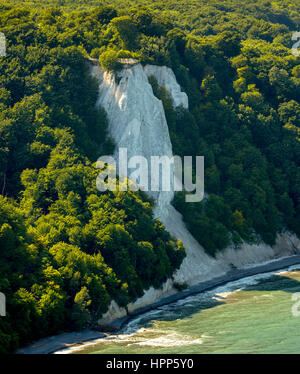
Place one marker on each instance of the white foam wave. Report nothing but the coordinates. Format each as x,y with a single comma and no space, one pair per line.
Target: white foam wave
172,339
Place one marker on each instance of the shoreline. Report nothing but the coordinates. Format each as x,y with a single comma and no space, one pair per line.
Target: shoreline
62,341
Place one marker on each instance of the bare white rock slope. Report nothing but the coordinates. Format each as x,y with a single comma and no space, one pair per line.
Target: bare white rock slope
166,78
137,122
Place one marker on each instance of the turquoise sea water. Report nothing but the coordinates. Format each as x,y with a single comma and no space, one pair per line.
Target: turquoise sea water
252,315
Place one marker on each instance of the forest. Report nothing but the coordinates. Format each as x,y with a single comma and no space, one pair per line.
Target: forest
66,249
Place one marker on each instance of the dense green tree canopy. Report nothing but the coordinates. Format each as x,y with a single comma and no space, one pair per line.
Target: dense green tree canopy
66,249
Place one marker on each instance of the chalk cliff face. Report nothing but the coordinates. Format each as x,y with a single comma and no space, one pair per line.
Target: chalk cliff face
166,78
136,117
137,122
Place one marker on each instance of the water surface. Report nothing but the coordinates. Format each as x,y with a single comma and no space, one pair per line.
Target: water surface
251,315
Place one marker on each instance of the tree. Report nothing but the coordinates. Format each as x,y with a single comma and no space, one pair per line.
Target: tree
127,29
229,43
104,14
109,61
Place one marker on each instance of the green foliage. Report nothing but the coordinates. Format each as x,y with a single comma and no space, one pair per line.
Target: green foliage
243,118
68,250
127,30
109,61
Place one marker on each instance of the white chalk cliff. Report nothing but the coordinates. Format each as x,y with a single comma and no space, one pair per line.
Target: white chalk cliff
137,122
166,78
